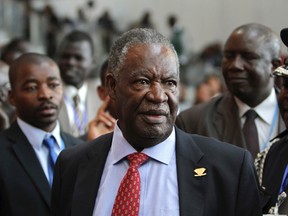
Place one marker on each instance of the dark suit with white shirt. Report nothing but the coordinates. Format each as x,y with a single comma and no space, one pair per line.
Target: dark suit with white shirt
218,118
227,188
24,188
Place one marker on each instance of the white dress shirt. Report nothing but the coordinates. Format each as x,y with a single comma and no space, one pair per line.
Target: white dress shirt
159,186
69,93
267,122
36,136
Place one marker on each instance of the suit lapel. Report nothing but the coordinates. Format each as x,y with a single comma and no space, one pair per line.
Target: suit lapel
227,123
191,188
70,141
27,157
88,179
281,125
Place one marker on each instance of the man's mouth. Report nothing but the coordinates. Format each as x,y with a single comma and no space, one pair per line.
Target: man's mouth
47,109
154,116
154,119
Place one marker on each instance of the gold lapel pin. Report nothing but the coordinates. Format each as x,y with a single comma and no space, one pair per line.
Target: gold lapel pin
200,172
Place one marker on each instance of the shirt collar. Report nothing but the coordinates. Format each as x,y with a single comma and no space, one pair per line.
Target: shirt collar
270,103
161,152
36,136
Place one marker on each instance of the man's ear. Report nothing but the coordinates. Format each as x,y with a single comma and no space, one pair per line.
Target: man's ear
110,84
102,92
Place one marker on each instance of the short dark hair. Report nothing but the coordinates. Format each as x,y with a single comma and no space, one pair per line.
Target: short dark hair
15,45
78,36
27,58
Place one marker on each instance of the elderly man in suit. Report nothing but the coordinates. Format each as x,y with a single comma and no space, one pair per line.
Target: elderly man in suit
251,53
147,166
26,161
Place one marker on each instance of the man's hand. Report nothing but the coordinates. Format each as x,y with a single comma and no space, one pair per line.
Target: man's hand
103,122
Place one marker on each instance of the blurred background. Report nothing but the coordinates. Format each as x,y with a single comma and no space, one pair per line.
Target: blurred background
197,28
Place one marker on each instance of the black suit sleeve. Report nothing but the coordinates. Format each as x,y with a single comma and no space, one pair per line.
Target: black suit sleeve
246,183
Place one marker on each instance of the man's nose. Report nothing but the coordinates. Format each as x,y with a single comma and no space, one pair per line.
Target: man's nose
71,60
237,62
157,93
44,92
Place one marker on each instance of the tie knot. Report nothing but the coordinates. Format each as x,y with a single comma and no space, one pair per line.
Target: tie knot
137,159
49,142
251,114
76,100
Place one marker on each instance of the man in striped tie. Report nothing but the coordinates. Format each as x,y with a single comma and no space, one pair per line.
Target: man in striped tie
76,60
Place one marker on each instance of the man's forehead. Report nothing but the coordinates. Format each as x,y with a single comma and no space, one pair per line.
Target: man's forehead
147,51
78,45
139,46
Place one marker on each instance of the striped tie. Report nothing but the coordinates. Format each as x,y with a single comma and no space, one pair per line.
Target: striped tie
78,127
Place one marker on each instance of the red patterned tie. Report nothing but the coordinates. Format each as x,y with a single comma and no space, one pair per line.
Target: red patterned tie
128,197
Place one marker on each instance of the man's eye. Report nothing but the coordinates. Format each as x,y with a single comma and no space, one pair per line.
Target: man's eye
30,88
54,85
228,55
65,56
142,82
79,58
250,57
171,83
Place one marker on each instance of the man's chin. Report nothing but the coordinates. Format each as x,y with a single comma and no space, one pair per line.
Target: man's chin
155,132
46,122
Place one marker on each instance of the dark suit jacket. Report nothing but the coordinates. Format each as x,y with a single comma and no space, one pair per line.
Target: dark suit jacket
218,118
24,189
228,189
274,167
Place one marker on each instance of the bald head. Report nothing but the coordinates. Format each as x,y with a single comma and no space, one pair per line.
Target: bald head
251,53
265,36
27,59
36,90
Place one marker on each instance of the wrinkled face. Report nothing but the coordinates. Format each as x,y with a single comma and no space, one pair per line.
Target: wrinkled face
146,94
246,68
75,62
37,94
283,100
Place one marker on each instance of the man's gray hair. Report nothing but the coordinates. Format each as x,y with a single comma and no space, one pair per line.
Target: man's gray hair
127,40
